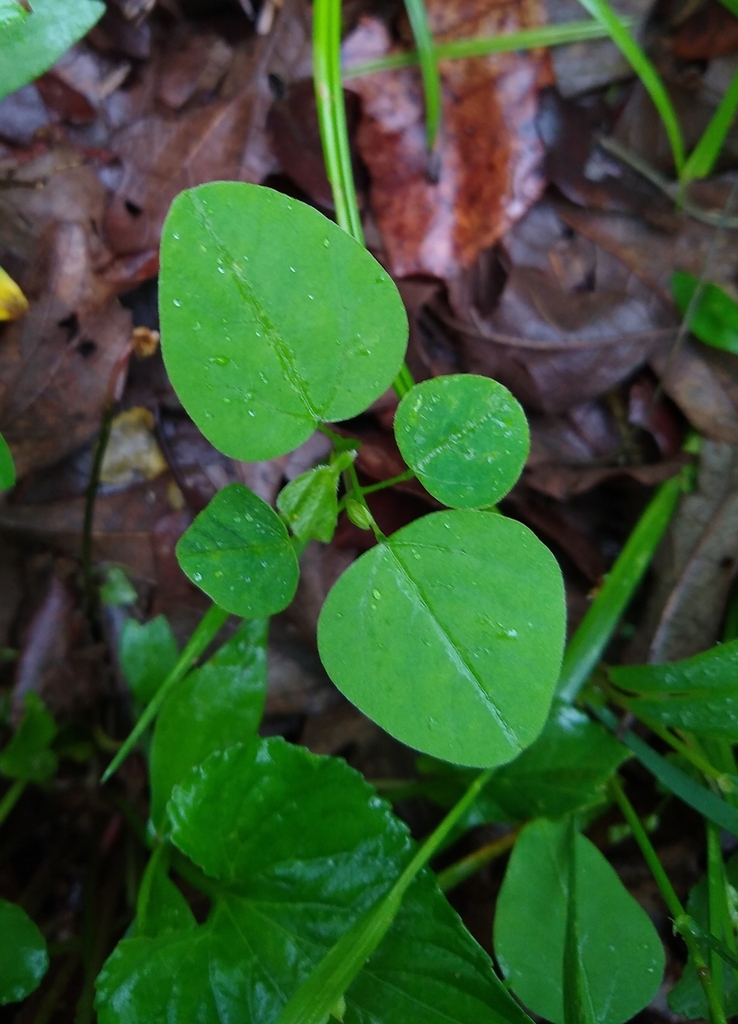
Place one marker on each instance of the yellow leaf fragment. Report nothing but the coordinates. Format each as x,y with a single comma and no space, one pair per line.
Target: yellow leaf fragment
13,302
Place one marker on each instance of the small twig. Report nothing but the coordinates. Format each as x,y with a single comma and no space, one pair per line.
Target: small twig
672,189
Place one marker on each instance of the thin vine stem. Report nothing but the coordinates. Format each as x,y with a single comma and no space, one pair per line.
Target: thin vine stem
11,798
672,901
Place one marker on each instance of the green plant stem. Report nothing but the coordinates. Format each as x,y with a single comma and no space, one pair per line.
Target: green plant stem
407,475
208,628
678,914
482,46
702,158
324,987
596,628
457,873
11,798
418,17
716,902
334,131
649,76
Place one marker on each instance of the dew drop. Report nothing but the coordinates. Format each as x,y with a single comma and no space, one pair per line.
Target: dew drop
220,360
376,594
226,401
311,296
326,243
252,414
197,576
176,302
221,270
175,236
218,574
293,270
197,326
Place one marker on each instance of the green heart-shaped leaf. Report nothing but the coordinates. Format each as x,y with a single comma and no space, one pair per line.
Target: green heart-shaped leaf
238,552
621,955
449,635
465,437
272,318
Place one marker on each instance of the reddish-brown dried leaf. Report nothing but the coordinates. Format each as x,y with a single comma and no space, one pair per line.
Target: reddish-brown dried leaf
489,154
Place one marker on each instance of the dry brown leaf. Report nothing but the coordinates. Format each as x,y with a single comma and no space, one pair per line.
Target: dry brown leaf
489,153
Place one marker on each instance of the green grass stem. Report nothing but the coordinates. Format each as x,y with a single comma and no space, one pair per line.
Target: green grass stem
483,46
702,158
418,16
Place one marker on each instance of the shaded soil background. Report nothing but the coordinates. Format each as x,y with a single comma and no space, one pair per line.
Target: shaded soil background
525,252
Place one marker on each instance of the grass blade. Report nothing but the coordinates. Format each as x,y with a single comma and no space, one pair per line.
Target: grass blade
209,626
596,628
702,158
528,39
649,76
418,16
324,988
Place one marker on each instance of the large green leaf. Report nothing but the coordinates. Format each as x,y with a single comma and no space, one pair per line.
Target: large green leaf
465,437
300,847
28,47
449,635
621,955
272,318
148,653
215,707
238,552
699,694
28,756
565,770
23,956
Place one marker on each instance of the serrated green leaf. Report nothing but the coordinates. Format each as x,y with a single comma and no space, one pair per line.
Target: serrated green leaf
272,318
622,957
449,635
214,707
23,956
465,437
310,503
148,653
715,321
31,46
284,893
699,694
7,466
565,770
238,552
27,756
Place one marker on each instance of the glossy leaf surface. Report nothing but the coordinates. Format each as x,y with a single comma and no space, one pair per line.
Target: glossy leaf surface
11,12
27,756
214,707
23,956
272,318
31,45
449,635
465,437
621,955
238,552
565,770
699,694
285,892
715,321
148,653
7,466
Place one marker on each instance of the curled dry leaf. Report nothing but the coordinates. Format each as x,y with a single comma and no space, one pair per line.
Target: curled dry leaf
488,152
571,321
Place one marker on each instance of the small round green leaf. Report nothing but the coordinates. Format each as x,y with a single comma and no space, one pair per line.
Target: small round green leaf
449,635
621,954
310,503
23,956
272,318
238,552
465,437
